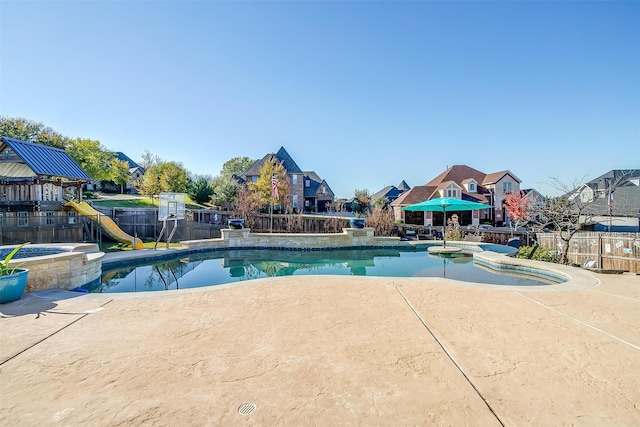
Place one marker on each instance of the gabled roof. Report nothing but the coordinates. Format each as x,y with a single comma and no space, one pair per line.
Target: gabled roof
281,157
403,186
388,191
492,178
457,173
123,157
619,177
626,202
289,164
417,194
41,159
446,184
314,184
312,175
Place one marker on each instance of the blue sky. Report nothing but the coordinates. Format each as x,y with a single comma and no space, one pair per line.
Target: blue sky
365,93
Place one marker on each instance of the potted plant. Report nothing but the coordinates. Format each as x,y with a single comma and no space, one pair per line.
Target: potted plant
13,281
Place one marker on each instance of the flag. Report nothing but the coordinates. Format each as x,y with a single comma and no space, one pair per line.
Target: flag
610,202
274,187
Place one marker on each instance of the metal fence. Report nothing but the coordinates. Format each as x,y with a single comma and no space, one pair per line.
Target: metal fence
607,251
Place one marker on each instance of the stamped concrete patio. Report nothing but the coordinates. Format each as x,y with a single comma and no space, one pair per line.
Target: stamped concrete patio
319,350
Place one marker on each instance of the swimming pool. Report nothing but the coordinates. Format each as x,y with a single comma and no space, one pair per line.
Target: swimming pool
230,266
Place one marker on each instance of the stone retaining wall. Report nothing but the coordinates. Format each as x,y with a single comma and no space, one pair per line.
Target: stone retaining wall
243,238
76,266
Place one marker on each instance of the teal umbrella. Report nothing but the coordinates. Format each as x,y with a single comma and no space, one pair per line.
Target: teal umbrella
444,204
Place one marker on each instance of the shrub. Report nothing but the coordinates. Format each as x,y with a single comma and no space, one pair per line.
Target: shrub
541,254
381,219
453,231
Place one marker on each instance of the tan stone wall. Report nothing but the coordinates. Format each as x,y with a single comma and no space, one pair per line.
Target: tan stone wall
244,238
66,270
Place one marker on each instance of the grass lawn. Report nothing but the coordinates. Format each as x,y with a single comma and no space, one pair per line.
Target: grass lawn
117,246
138,202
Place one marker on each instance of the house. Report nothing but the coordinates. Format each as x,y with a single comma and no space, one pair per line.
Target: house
391,192
307,191
136,173
465,183
35,182
612,201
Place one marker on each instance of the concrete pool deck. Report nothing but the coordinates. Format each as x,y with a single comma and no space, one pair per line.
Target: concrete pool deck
325,350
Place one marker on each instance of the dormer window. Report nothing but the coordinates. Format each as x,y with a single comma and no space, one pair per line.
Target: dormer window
307,183
472,187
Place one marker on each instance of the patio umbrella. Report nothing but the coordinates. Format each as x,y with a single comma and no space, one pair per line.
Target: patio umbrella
444,204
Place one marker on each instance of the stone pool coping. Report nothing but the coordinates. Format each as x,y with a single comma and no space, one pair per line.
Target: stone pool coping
76,264
574,278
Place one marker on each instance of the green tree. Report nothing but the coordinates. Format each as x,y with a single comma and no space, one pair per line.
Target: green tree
92,157
261,189
28,130
200,191
225,187
173,177
150,184
119,172
361,202
225,191
381,202
235,166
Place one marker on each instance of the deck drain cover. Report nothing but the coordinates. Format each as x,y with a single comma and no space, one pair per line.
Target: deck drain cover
247,408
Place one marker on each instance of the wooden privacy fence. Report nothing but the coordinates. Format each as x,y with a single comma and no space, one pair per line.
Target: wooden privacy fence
608,251
206,224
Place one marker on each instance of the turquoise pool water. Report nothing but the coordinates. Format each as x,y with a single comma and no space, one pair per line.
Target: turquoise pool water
221,267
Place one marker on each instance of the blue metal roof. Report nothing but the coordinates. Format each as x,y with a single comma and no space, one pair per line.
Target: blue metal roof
45,160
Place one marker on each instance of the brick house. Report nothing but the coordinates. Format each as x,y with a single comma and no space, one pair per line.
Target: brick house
307,191
465,183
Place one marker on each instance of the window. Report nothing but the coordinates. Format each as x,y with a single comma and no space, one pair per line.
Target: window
72,219
306,203
23,219
294,179
452,193
307,183
295,201
506,187
472,187
324,190
254,179
49,218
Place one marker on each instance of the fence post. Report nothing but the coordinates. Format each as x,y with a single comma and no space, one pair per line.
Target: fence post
600,251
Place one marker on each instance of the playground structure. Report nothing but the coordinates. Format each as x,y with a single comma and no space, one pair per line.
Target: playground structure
107,224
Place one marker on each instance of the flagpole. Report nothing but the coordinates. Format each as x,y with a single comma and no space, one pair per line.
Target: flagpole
609,207
274,196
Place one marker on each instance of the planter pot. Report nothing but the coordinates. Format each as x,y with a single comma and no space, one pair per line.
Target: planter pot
236,224
13,285
357,222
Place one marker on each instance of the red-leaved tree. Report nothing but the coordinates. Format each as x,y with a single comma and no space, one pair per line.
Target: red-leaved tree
518,209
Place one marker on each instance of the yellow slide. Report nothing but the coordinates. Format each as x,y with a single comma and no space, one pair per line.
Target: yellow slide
106,223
